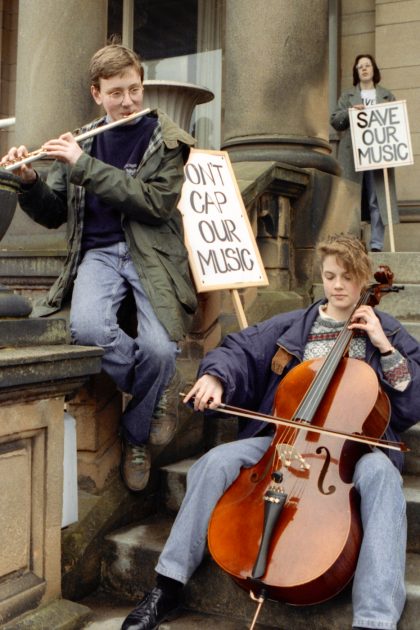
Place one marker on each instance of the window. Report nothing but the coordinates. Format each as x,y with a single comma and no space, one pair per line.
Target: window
180,40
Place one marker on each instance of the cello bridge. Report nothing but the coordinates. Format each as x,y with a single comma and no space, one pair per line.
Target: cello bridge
288,454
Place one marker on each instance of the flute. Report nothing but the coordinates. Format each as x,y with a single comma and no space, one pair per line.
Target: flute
12,165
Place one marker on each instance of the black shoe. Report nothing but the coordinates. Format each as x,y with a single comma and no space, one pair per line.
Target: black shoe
375,249
154,608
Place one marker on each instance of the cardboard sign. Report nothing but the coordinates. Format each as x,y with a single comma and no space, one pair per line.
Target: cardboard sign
222,249
380,136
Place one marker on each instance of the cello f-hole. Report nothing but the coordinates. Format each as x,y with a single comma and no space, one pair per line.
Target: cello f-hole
325,467
255,477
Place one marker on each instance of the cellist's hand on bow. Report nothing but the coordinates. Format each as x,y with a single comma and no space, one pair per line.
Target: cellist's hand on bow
365,318
207,393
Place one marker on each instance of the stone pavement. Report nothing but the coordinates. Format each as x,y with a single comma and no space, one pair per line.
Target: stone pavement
108,614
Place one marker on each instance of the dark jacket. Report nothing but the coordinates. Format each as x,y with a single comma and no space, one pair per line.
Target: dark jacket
341,122
243,364
151,222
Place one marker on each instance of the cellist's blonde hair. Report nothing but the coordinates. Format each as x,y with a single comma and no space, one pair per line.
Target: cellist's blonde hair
351,253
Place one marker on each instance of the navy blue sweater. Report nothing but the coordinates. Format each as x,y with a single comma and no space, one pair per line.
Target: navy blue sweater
122,147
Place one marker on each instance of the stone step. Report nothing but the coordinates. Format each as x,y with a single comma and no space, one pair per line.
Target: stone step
59,614
413,328
108,613
128,571
412,458
196,621
406,235
404,305
404,265
412,496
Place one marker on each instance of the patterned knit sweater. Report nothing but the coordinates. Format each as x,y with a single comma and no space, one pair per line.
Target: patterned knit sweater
325,331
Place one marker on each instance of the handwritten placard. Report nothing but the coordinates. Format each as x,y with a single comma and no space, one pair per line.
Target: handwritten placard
222,249
380,136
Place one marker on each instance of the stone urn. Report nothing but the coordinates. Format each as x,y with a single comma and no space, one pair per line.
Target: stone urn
176,99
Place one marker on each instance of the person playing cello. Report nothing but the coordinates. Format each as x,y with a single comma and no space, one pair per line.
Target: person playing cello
242,372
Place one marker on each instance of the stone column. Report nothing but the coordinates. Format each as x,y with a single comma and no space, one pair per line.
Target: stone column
56,39
276,82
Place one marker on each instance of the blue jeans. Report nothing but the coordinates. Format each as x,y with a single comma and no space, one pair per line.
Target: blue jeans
378,588
377,228
142,366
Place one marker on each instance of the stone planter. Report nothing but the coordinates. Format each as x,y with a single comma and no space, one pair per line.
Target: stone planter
176,99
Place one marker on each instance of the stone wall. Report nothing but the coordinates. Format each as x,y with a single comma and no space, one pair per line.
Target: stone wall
397,48
34,381
8,61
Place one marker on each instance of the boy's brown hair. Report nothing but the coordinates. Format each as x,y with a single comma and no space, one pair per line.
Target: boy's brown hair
112,60
351,253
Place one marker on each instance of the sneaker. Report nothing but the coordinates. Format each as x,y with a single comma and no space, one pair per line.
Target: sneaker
165,416
154,608
135,465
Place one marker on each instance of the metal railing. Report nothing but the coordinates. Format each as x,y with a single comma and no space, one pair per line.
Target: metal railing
7,122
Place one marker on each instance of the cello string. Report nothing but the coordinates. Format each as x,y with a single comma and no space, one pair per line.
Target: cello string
297,487
311,401
315,393
313,396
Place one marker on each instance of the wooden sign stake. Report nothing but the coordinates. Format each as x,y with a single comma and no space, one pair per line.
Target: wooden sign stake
239,310
388,211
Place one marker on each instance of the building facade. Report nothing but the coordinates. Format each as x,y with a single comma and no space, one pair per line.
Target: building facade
45,47
276,69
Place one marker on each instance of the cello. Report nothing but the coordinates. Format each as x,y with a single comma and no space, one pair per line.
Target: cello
289,528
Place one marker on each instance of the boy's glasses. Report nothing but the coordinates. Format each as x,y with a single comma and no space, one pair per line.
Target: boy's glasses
118,96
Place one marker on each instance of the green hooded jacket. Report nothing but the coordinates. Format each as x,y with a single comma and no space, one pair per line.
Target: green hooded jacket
151,222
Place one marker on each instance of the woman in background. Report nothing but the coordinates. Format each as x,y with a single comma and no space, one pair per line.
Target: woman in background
366,92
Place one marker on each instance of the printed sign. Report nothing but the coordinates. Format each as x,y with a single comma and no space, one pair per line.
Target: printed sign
381,136
222,249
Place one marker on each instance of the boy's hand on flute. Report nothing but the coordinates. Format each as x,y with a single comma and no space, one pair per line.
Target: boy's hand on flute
25,172
64,148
